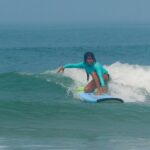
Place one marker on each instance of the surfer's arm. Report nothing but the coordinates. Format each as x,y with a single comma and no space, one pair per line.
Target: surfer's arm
78,65
98,69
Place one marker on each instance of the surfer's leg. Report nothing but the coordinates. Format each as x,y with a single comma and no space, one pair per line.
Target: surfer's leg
95,83
98,84
90,87
106,77
96,80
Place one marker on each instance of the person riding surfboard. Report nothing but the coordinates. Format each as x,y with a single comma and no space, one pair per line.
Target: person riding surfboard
99,74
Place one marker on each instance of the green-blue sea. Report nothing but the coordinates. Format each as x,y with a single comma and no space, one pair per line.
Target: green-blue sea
39,109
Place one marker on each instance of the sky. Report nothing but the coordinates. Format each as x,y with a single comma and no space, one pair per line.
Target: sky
74,11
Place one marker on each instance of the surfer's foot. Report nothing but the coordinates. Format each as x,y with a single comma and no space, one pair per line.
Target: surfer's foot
101,91
98,93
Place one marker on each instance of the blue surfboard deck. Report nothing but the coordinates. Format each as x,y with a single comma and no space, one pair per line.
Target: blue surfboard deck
91,97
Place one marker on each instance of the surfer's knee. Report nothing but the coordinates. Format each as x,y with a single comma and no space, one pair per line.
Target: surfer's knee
90,87
86,89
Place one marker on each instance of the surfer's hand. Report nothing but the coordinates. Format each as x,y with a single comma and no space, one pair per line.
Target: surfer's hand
60,70
101,90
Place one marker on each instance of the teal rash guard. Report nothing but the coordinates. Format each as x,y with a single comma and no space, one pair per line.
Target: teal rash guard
96,67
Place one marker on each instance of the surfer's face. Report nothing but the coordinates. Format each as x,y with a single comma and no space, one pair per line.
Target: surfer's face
89,61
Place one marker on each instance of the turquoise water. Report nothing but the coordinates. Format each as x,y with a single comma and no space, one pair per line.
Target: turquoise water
38,107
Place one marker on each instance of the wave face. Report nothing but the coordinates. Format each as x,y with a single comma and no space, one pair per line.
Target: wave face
39,110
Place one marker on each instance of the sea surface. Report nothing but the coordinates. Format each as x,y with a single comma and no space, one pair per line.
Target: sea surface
38,107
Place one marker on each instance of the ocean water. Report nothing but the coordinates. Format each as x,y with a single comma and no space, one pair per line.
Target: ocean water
38,107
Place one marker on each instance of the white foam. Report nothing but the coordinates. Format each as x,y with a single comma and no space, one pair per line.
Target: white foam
129,82
78,75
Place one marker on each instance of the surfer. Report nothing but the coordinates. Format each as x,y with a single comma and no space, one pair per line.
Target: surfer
99,75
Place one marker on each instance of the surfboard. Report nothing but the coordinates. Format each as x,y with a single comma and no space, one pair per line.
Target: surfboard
91,97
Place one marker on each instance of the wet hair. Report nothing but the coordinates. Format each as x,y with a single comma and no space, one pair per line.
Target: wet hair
86,55
89,54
